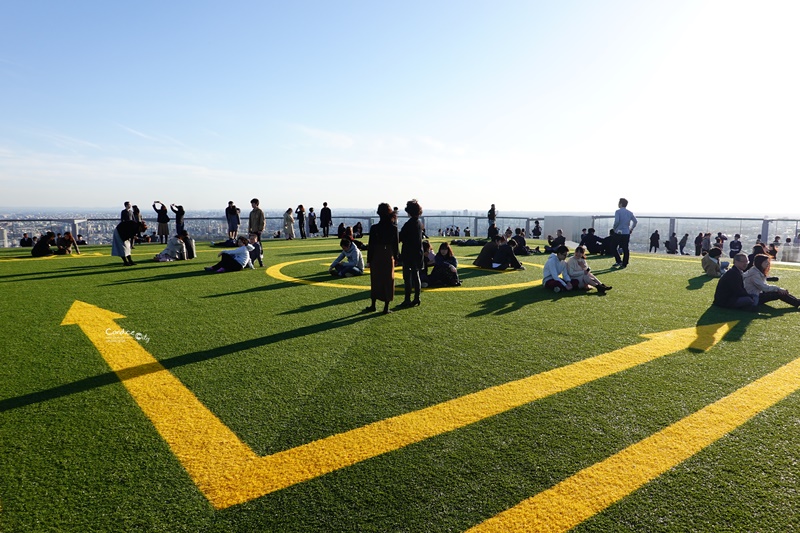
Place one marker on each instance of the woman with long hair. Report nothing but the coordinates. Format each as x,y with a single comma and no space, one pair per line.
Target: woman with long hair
755,283
381,254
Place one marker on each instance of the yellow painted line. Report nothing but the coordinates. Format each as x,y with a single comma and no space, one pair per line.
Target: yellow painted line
597,487
228,472
276,272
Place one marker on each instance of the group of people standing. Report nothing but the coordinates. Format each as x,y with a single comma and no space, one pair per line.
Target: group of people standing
306,221
386,248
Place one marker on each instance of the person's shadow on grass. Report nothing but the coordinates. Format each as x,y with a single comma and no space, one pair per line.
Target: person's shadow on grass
719,316
516,300
698,282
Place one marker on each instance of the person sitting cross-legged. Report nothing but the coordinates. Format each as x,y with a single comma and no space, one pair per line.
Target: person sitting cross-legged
354,266
556,277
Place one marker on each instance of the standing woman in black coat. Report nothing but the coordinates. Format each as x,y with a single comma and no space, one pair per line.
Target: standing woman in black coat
381,254
411,253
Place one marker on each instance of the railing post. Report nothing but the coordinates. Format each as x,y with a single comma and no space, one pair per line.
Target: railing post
765,231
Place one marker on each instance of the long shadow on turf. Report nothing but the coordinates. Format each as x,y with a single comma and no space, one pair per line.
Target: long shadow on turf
74,272
270,287
109,378
720,315
516,300
164,277
698,282
360,296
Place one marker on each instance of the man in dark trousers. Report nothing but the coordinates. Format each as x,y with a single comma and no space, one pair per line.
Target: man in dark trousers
730,291
325,218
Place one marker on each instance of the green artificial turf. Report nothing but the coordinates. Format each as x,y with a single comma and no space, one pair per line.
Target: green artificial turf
284,363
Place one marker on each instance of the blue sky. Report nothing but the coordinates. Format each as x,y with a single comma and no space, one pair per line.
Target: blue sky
686,107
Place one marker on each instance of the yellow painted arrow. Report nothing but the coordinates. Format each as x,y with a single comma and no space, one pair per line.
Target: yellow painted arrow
228,472
593,489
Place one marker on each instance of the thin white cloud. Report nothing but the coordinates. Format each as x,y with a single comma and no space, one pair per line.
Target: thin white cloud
329,139
66,141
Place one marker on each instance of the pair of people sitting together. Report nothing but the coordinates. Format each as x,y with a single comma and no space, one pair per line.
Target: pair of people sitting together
747,288
562,275
498,254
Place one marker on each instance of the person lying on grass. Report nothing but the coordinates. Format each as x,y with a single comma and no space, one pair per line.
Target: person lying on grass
556,277
579,271
354,266
233,260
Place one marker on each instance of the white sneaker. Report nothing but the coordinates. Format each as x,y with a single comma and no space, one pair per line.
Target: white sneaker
556,289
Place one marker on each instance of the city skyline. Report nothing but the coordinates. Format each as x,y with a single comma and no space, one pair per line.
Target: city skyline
681,107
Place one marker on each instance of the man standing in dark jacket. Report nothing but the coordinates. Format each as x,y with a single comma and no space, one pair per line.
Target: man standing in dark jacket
325,218
730,291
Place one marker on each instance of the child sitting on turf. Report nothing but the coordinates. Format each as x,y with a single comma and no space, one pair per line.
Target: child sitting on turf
354,266
579,271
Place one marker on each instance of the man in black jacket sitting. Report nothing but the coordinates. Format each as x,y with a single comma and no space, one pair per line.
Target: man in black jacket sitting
730,291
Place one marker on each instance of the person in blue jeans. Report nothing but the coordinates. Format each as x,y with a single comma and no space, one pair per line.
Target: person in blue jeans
624,222
354,266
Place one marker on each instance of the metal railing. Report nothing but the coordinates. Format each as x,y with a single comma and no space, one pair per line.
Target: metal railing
100,230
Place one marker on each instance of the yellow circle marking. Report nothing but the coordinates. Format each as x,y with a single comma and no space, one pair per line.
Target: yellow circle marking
275,271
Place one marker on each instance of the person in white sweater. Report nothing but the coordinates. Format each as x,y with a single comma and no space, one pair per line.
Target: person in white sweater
556,277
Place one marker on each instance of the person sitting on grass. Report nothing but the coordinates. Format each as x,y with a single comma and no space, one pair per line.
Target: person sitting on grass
428,260
556,277
354,266
484,259
233,260
42,246
66,244
730,292
445,269
554,243
521,247
755,283
579,271
257,252
505,258
712,265
592,242
175,250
